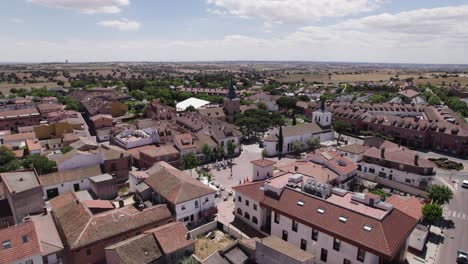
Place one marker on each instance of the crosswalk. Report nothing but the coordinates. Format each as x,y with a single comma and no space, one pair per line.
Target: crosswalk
449,214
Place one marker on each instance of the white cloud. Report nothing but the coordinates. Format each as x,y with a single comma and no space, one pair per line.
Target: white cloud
401,37
292,11
16,20
122,24
86,6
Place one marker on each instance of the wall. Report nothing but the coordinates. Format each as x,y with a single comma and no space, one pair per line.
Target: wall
266,255
118,167
36,259
352,157
190,208
324,240
397,175
247,209
270,147
67,186
393,184
261,173
25,203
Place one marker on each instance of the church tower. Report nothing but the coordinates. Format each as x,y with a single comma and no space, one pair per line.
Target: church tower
231,104
322,116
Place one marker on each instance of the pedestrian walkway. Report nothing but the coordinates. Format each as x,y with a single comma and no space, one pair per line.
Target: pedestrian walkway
429,256
449,214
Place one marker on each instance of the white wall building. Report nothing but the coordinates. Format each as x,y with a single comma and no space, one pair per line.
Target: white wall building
131,138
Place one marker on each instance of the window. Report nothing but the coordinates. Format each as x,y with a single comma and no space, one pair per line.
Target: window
336,244
239,198
371,170
255,207
407,180
346,261
314,234
367,227
183,207
196,204
246,202
321,210
323,255
6,244
294,226
207,200
247,215
285,235
343,219
88,252
304,244
24,239
29,261
255,220
361,255
239,211
277,218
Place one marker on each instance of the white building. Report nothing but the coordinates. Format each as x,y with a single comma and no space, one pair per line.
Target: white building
353,152
131,138
319,128
398,164
192,101
190,199
262,169
60,182
340,227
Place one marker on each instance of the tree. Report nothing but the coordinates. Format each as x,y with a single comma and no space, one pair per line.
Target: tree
42,164
190,108
286,102
207,152
439,194
280,140
340,127
231,147
298,146
8,160
434,100
313,143
432,213
66,149
294,121
189,162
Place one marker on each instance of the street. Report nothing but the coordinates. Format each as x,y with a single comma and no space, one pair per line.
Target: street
456,212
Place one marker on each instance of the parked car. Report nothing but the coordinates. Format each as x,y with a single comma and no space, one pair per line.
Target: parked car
462,257
465,184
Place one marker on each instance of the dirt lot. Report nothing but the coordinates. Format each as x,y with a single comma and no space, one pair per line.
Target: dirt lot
204,247
5,87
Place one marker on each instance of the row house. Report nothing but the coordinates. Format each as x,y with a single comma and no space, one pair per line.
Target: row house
332,224
12,119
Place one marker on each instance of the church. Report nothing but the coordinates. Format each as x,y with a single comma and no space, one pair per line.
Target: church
280,140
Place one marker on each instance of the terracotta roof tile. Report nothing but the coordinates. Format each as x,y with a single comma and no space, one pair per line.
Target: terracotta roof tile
263,162
19,249
172,237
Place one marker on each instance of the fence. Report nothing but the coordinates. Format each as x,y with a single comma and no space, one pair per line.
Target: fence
393,185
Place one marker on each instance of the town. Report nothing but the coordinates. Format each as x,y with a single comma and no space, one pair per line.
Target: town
233,132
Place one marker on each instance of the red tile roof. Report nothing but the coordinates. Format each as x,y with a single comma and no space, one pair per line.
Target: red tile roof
399,155
386,238
19,250
101,204
410,93
172,237
263,162
409,205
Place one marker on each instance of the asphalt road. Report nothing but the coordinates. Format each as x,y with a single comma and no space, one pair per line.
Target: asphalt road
455,238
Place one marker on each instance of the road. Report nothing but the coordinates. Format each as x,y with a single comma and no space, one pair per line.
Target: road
455,238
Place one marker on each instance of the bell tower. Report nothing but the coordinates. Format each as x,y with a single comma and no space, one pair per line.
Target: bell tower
231,104
322,116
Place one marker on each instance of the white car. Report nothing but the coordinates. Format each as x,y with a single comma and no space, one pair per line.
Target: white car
465,184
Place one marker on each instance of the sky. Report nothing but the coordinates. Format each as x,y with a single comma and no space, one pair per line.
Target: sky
390,31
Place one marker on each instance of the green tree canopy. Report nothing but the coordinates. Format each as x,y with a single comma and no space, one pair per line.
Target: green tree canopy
42,164
8,160
313,143
439,194
340,127
189,161
432,213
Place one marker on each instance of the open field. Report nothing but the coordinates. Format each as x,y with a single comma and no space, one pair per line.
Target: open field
369,76
5,87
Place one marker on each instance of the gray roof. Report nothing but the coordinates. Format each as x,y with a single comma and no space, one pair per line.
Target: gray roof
139,249
101,178
236,256
20,181
48,234
215,258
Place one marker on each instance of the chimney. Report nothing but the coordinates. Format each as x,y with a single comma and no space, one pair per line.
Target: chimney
296,168
44,211
382,153
416,159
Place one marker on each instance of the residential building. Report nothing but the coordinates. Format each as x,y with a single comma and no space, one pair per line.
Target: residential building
213,112
150,156
174,240
266,99
186,143
12,119
18,140
86,235
20,244
85,153
190,200
23,191
353,152
103,186
46,108
332,224
399,164
262,169
131,138
60,182
158,111
101,121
